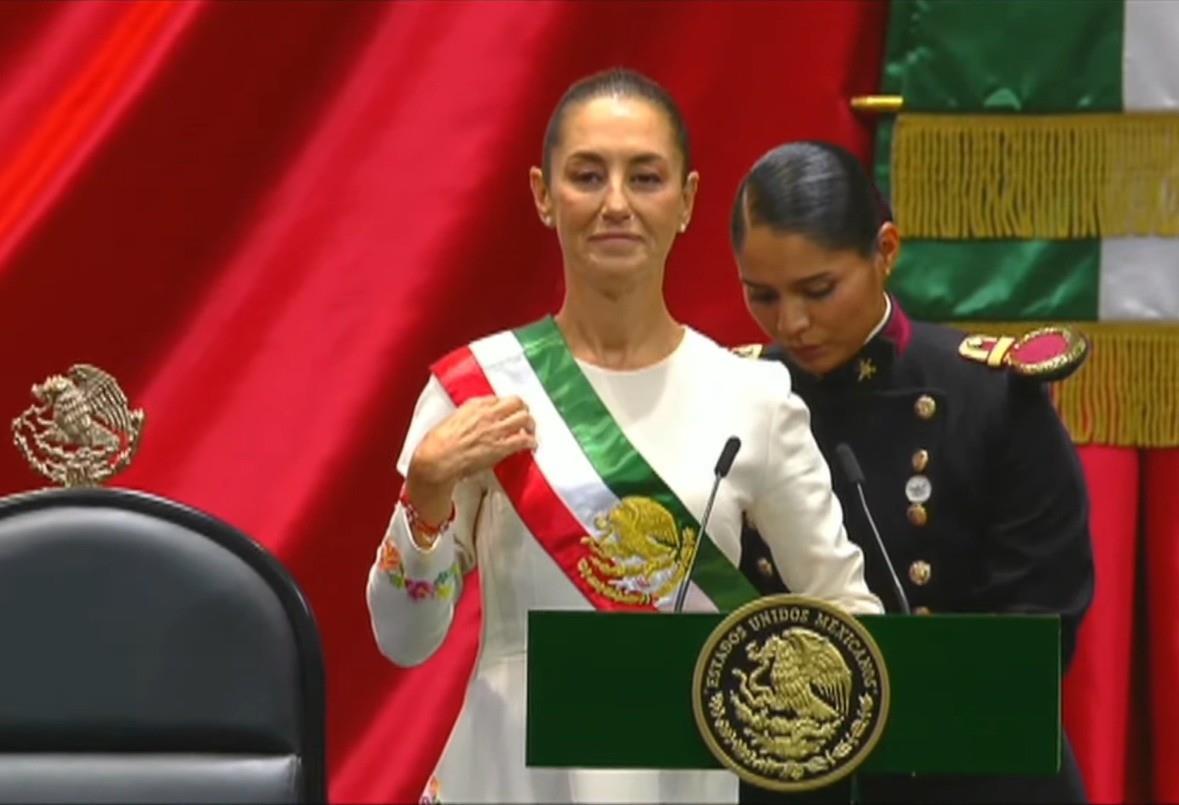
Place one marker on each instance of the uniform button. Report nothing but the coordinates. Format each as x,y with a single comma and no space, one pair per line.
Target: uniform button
921,610
925,406
919,573
917,514
918,489
765,567
920,460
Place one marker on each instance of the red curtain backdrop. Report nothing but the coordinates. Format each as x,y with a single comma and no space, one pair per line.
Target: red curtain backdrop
265,218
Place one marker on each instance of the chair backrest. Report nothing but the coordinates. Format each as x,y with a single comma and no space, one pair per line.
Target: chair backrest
151,653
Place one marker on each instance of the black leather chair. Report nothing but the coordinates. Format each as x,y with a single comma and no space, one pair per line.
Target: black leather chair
150,653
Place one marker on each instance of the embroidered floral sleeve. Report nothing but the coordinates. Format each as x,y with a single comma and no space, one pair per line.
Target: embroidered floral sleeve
444,585
412,592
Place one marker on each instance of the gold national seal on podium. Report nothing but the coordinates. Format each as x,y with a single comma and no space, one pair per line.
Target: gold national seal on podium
790,693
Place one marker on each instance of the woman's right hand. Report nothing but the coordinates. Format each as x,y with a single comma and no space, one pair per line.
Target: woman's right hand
476,436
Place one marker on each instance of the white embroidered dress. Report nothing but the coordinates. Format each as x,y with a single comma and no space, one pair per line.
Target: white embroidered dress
677,414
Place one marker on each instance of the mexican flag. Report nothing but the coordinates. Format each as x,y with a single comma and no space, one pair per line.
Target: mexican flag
1034,173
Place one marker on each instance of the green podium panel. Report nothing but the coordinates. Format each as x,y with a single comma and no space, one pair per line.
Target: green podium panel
971,694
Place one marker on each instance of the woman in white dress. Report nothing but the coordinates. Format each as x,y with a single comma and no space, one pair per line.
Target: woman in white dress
571,460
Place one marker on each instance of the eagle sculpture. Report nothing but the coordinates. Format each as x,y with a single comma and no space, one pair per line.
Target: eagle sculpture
81,430
87,409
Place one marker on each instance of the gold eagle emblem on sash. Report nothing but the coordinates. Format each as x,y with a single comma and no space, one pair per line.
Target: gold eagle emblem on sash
639,555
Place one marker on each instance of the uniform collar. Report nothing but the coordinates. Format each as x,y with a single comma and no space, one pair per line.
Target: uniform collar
880,325
872,365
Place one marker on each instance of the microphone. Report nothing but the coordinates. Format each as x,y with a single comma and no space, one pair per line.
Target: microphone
723,464
851,469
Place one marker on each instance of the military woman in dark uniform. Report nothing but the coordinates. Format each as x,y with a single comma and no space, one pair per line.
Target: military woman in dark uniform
971,478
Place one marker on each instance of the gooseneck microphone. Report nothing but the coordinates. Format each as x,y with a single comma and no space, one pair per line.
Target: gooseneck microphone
723,464
853,473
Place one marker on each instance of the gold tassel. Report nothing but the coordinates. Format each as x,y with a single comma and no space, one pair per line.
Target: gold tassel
1126,393
1036,176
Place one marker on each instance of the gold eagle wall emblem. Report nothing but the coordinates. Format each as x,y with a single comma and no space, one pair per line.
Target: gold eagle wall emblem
80,430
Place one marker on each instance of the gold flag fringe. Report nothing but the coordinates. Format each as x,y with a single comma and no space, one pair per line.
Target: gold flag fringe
1036,176
1126,393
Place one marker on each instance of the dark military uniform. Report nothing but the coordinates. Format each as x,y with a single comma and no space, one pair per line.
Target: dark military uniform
978,494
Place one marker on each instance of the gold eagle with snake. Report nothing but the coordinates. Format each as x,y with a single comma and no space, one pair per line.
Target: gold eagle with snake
81,429
798,694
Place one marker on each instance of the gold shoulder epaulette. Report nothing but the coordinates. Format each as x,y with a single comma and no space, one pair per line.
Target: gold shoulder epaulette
1046,353
748,350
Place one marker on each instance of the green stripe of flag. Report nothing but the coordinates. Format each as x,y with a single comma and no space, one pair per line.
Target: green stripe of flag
1034,56
1000,280
1009,56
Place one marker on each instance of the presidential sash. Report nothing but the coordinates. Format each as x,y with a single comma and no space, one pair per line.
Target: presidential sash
615,528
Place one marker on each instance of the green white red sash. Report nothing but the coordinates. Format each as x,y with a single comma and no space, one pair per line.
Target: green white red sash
616,529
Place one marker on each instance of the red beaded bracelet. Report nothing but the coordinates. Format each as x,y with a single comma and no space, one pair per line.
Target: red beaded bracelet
418,523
